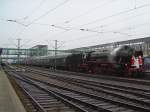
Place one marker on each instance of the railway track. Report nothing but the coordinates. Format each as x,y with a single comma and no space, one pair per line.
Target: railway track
44,100
127,83
107,97
141,80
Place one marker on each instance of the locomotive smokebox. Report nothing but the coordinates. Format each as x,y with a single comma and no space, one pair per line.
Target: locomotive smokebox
122,53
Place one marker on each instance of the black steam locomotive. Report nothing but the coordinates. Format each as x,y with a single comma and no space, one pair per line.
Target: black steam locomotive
123,60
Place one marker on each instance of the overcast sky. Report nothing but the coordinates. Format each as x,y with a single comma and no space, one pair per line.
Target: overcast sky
74,23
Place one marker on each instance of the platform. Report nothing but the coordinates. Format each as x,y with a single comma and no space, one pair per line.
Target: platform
9,101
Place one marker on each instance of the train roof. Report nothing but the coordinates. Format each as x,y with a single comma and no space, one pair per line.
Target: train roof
52,57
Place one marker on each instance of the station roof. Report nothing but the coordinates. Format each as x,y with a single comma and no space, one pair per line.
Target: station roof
132,41
39,46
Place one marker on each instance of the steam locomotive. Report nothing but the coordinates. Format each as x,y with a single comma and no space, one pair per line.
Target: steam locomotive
122,60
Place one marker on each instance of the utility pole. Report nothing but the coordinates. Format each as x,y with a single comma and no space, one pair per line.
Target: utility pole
135,4
55,53
1,57
18,50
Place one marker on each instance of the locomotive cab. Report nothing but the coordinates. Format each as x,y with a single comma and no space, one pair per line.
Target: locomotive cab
136,61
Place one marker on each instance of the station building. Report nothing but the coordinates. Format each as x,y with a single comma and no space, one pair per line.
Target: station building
39,50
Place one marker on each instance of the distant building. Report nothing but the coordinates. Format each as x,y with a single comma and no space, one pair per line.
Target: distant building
39,50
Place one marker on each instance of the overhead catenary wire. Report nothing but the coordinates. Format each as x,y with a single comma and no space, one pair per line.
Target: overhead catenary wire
63,28
43,14
104,32
90,30
47,12
113,32
24,19
89,11
114,15
95,35
145,5
85,13
57,34
118,21
67,29
142,34
80,38
35,9
118,31
12,43
25,43
132,27
55,26
99,26
27,17
135,26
